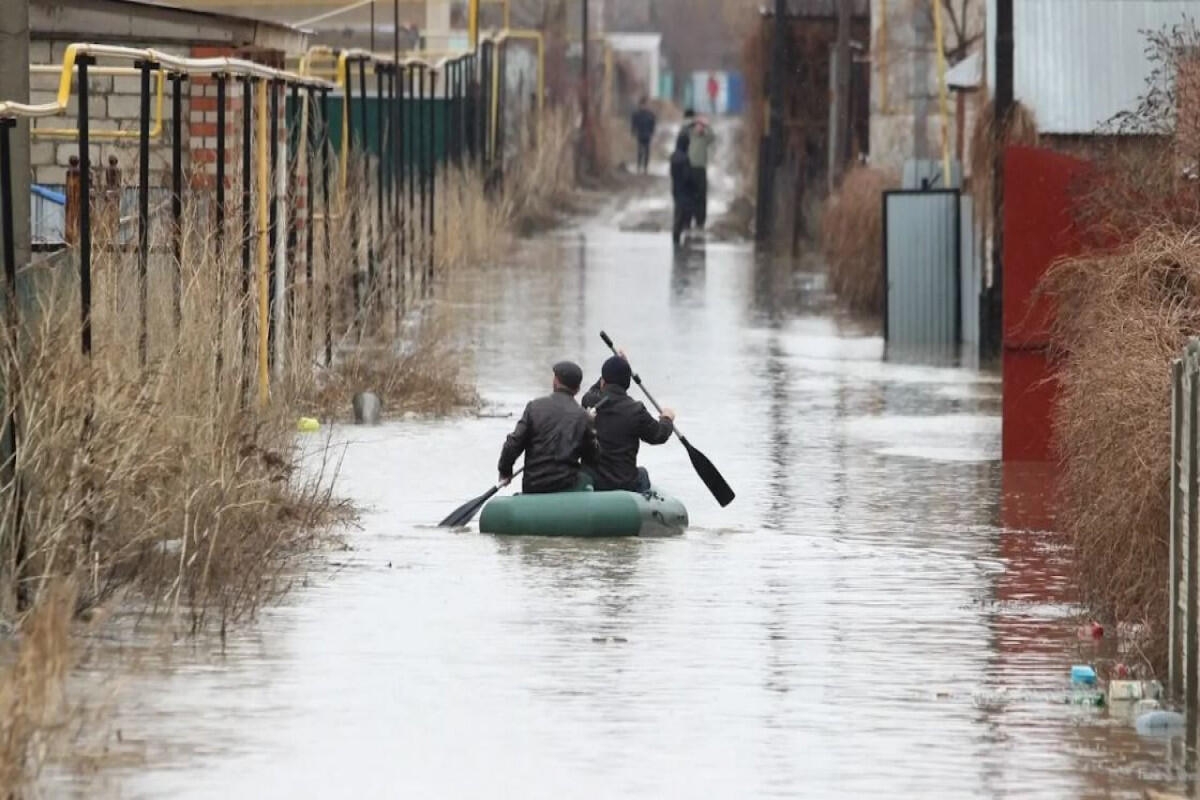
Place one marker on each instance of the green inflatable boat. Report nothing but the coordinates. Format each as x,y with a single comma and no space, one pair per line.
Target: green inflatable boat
584,514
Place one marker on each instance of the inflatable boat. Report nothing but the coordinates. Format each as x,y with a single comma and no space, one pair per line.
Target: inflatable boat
584,514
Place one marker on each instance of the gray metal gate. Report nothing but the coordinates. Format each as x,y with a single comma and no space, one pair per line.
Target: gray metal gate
922,268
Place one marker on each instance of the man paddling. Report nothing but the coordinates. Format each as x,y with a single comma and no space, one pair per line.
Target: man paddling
555,435
622,424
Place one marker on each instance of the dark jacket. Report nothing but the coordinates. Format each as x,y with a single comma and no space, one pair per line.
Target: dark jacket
555,434
643,124
681,175
622,423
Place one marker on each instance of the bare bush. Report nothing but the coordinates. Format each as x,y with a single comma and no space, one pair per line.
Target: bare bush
852,238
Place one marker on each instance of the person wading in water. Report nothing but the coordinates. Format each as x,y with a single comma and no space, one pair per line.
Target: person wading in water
556,436
682,191
622,424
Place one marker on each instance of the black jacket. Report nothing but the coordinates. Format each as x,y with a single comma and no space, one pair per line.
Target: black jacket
555,434
681,176
622,423
643,123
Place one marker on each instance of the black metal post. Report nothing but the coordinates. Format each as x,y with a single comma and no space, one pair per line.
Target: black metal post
366,156
85,209
412,134
422,133
310,180
272,199
177,194
289,207
433,173
145,67
247,229
328,220
993,314
12,386
222,86
401,175
353,207
381,109
393,139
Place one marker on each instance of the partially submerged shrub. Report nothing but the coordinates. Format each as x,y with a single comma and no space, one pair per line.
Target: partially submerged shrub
1121,318
852,238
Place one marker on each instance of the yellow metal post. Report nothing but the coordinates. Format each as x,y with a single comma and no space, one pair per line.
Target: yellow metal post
943,100
473,24
264,199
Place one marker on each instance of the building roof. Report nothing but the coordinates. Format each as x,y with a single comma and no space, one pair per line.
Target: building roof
1078,63
140,23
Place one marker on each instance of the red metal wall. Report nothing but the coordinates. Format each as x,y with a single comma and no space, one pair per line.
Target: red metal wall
1038,230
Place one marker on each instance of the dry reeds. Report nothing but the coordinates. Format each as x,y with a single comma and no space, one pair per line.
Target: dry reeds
852,238
1121,318
32,703
986,144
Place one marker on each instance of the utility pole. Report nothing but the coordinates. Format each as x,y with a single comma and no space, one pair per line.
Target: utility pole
772,149
993,333
14,85
585,100
840,138
372,47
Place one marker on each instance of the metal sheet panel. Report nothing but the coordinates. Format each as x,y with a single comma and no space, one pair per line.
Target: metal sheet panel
921,236
971,272
1079,62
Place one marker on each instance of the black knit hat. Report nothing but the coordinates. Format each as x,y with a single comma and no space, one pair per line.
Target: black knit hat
616,370
569,374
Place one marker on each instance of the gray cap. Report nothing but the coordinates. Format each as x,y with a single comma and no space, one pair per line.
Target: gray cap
569,374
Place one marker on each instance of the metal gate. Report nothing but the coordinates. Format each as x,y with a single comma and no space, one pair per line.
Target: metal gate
923,269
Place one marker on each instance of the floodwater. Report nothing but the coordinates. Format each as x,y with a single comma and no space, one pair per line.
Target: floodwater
879,613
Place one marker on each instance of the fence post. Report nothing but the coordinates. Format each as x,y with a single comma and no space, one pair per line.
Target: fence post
220,231
1190,539
272,199
289,209
328,249
1174,650
177,195
12,388
433,173
247,228
353,206
310,180
145,67
381,108
366,157
85,209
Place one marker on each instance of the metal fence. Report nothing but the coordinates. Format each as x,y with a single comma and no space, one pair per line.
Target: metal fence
921,268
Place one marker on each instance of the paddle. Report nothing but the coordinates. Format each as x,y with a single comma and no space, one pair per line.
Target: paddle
464,513
704,468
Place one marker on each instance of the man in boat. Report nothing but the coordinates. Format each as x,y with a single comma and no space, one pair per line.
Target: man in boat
555,435
622,424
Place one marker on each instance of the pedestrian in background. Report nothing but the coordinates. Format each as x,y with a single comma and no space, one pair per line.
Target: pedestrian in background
700,139
643,124
681,188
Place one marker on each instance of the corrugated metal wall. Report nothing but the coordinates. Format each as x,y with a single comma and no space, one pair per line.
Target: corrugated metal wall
1079,62
921,265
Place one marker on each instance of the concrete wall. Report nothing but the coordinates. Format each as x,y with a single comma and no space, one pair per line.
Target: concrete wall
905,114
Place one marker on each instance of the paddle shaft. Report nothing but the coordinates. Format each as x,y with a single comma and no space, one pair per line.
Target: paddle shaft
638,380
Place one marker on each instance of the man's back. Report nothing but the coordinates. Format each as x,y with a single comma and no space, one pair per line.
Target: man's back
555,434
643,123
622,423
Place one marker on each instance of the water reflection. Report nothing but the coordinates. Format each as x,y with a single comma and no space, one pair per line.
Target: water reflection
688,275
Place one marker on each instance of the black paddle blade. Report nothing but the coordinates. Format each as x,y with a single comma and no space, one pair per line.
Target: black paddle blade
464,513
709,474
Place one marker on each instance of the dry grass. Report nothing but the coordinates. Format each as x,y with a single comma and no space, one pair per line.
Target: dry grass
852,238
32,701
1122,317
1021,129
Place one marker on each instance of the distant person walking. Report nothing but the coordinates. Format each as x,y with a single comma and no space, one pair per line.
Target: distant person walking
700,139
643,124
714,91
682,191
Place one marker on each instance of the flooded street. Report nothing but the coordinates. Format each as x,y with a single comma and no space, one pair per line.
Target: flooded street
876,614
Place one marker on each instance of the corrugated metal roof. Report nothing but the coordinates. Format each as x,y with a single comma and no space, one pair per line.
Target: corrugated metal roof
1077,63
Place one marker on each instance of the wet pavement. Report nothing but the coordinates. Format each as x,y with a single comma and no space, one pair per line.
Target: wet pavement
879,613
